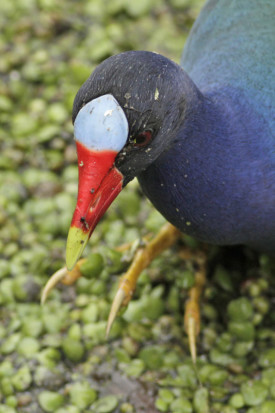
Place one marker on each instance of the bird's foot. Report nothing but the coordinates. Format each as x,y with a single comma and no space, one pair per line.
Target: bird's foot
192,306
67,277
146,252
143,253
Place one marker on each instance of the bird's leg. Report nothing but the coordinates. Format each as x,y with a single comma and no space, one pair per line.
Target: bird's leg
192,306
143,255
166,237
67,277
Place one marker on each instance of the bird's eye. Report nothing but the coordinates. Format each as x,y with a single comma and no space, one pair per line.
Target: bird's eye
143,138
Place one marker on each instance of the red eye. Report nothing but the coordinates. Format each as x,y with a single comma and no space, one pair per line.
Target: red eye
143,138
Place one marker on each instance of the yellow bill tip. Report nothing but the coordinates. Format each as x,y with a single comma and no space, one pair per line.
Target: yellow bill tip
76,242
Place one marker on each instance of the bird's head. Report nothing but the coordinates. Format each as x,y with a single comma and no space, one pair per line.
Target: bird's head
125,115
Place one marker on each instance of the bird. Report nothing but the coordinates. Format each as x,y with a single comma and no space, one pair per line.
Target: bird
199,135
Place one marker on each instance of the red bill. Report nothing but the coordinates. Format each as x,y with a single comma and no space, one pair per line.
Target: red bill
99,183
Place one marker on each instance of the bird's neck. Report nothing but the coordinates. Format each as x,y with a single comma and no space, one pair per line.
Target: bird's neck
204,183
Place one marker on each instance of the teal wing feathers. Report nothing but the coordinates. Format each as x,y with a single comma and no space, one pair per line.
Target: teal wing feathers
232,43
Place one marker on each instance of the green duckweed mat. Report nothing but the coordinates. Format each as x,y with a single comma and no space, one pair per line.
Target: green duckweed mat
55,358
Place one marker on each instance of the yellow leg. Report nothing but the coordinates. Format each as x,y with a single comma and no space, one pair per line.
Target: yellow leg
192,306
70,277
166,237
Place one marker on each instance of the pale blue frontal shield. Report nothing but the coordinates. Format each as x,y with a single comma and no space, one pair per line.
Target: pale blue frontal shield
102,124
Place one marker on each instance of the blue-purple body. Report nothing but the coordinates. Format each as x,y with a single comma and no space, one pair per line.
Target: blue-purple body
217,181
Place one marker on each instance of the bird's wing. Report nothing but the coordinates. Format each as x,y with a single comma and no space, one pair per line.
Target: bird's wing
232,43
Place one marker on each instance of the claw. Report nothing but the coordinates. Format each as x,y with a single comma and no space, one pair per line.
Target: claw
192,308
67,278
52,282
192,339
192,327
116,305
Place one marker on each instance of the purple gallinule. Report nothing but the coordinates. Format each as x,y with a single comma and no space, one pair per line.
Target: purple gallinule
199,137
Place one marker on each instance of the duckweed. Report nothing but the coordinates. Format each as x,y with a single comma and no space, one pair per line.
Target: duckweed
105,404
237,400
28,346
73,349
82,394
201,400
181,405
254,392
240,310
50,401
22,379
93,266
267,358
57,358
